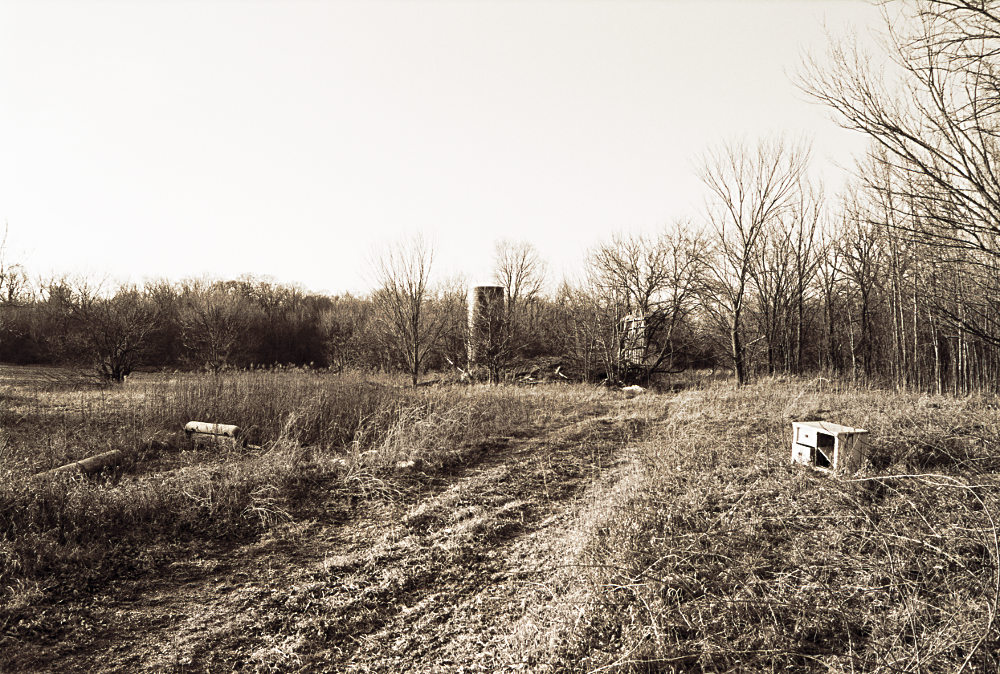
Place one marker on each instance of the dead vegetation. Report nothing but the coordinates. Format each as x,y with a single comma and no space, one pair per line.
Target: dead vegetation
543,528
716,555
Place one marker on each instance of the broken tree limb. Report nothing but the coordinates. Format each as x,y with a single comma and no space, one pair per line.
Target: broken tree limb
89,465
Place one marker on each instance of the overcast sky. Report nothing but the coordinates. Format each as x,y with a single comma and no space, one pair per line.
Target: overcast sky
147,139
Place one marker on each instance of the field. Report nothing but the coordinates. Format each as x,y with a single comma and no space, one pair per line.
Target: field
375,527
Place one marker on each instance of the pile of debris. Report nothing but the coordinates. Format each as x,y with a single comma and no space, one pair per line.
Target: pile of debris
539,371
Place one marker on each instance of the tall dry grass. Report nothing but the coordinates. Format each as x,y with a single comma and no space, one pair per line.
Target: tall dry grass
313,434
715,554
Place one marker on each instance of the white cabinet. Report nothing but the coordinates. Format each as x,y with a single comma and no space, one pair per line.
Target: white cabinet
828,446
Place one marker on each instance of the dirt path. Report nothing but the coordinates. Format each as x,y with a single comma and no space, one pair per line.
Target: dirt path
430,580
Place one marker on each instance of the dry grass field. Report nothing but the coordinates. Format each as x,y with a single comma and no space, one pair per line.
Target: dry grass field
553,528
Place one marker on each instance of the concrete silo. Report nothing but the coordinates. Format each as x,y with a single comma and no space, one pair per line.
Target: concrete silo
486,322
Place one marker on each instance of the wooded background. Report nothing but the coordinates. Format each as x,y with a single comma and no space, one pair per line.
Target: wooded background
893,281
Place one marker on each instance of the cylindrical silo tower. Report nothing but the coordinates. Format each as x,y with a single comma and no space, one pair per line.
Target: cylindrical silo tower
486,317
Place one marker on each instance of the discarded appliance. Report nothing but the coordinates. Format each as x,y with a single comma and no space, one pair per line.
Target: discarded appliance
827,446
199,432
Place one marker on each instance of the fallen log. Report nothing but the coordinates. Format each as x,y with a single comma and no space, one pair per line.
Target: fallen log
204,432
89,465
208,428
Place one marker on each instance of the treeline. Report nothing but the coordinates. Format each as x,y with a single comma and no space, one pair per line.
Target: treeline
802,291
895,281
782,281
198,324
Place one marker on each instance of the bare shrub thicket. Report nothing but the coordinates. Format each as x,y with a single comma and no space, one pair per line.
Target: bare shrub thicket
658,281
114,327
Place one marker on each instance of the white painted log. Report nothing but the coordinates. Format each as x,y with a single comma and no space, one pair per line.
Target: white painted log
206,428
88,465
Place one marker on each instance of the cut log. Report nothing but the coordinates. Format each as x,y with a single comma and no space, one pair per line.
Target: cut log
87,466
206,428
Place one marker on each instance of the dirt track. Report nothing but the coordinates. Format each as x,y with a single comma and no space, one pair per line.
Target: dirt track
431,575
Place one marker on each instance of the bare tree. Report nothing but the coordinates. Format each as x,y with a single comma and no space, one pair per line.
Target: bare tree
751,188
783,278
343,326
649,286
807,216
862,252
452,309
521,271
581,317
15,288
213,318
16,293
773,275
829,278
402,303
114,328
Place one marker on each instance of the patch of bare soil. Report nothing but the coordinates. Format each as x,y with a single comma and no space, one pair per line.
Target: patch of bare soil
430,576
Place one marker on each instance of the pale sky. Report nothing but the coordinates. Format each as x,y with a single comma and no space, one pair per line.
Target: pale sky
143,139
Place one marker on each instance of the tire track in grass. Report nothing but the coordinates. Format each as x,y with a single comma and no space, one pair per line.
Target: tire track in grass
427,581
447,586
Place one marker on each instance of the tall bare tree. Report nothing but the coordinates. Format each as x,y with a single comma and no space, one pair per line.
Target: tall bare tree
807,216
452,307
15,288
773,275
15,294
829,279
581,316
402,301
751,189
521,271
862,252
936,129
783,278
213,317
